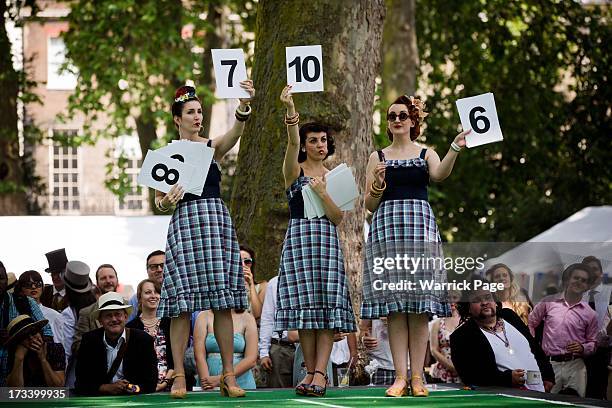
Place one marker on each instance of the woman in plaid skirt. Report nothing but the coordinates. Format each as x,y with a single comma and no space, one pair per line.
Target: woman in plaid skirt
203,269
313,295
396,182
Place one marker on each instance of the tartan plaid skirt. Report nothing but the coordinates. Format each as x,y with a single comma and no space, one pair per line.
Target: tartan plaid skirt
203,270
312,288
404,221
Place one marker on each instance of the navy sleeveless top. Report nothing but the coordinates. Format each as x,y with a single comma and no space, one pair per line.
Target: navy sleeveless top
212,185
406,179
294,195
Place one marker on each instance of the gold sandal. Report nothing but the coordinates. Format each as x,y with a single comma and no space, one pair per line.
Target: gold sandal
398,392
178,394
419,391
227,391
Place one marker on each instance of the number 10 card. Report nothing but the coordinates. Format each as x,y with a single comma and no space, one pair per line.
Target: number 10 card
304,68
479,114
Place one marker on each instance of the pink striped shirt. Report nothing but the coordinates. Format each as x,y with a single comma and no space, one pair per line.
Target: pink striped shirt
564,324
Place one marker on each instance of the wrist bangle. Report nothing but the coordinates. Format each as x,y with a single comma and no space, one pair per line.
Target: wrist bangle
246,113
455,147
161,207
292,120
379,189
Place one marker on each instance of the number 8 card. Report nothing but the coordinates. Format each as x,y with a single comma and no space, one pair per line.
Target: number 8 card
161,172
479,114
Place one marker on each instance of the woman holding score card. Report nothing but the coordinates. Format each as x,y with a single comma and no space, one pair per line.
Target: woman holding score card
203,269
396,186
313,295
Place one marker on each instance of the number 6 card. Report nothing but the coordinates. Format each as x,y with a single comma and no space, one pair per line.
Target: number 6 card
479,114
230,69
304,68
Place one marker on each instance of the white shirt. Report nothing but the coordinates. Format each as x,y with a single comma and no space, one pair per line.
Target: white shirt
382,353
55,321
521,358
602,300
61,292
111,354
340,353
67,328
268,318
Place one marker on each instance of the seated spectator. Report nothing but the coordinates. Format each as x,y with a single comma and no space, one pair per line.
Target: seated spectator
439,343
256,291
277,353
35,361
155,272
375,338
599,297
54,296
208,353
30,284
12,281
114,360
493,347
79,296
107,281
148,293
512,297
570,329
10,307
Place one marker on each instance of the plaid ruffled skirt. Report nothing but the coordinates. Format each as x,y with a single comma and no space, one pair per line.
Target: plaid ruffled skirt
203,270
312,288
403,222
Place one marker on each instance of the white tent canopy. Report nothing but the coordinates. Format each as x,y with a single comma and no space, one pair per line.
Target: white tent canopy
123,242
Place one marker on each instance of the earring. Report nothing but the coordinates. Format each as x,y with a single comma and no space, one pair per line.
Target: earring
303,150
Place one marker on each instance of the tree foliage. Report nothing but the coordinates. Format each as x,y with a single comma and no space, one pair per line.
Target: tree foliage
548,65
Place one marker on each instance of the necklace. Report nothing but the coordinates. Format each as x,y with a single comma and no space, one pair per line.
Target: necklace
493,331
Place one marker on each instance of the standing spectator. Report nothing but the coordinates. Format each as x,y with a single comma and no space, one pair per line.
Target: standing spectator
31,284
107,281
207,351
54,296
79,295
439,343
493,347
512,296
276,352
115,360
12,306
34,360
570,329
155,272
148,292
256,291
599,298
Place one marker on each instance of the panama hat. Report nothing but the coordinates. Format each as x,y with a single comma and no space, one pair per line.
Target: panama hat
21,327
112,301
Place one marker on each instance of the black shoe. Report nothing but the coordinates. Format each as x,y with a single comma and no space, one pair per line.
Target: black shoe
300,389
317,390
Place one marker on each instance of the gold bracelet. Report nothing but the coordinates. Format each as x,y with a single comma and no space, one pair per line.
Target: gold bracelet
292,120
161,207
379,189
375,195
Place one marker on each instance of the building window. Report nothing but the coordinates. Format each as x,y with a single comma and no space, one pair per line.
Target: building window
56,56
135,200
64,188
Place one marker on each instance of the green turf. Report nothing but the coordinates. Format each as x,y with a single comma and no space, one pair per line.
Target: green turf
335,398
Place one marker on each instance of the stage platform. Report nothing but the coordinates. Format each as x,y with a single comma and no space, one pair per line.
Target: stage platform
441,396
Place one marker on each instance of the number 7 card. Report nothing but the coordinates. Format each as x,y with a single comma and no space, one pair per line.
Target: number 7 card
479,114
230,69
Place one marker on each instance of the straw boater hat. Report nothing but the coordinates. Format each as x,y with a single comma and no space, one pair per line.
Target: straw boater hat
21,327
12,280
57,260
77,277
112,301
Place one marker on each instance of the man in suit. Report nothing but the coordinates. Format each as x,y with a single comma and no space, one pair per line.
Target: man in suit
493,347
114,360
107,281
54,296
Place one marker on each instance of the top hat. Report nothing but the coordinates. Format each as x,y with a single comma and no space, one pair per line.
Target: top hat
112,301
21,327
76,277
57,260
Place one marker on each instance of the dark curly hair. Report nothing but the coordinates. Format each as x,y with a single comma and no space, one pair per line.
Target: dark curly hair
413,114
315,127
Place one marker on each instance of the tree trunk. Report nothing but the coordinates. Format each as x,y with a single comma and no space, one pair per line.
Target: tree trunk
400,54
13,199
147,133
347,32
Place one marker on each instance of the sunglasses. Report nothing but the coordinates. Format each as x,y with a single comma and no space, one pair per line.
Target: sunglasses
248,261
403,116
32,285
155,266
